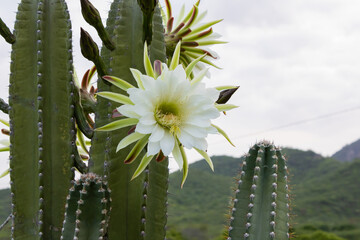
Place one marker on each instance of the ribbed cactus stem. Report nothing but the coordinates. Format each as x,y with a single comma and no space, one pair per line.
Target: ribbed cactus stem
42,122
260,207
87,209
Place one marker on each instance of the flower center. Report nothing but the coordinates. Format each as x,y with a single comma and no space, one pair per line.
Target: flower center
168,116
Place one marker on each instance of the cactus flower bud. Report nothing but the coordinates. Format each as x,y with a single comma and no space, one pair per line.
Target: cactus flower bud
92,17
90,51
6,33
225,95
89,48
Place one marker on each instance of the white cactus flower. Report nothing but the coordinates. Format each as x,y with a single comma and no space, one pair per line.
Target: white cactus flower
170,112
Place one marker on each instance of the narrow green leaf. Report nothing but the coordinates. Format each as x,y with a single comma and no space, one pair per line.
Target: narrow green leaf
221,88
81,140
205,26
223,133
147,63
126,141
4,149
225,107
185,165
206,157
118,124
143,164
177,154
176,56
137,76
199,76
204,60
118,82
116,97
139,146
6,123
5,173
209,42
191,66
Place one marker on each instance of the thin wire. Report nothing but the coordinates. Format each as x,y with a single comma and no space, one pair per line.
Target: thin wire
325,116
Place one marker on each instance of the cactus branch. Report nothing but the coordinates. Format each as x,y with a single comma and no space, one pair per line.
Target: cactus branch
260,207
4,107
6,33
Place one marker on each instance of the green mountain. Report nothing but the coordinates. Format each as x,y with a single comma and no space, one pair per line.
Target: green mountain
348,152
325,196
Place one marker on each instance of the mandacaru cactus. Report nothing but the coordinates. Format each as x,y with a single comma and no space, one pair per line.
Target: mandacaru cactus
50,114
261,204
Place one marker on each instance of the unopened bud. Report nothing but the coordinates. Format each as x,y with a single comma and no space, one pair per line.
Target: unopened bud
89,48
225,95
90,13
92,17
6,33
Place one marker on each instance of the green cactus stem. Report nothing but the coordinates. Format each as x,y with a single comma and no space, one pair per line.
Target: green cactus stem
4,107
130,207
81,118
6,33
87,209
260,207
147,7
92,16
42,122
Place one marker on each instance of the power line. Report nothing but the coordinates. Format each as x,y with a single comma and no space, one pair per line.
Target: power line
328,115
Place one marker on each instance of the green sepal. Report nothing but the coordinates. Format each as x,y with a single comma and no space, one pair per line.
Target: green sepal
176,56
116,97
129,140
120,83
185,165
191,66
147,63
222,132
118,124
142,166
225,107
206,157
135,151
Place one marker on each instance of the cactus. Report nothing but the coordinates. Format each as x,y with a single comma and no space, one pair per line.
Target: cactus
49,114
87,209
260,207
42,120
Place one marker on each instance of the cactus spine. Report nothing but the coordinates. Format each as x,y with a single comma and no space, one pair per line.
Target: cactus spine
260,207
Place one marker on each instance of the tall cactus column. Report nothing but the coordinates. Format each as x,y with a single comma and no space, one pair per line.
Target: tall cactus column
139,205
260,209
41,117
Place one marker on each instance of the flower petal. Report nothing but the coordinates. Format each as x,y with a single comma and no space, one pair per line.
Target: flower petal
167,143
153,148
144,129
157,134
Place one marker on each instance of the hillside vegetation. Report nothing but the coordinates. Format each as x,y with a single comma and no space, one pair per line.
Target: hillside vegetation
325,197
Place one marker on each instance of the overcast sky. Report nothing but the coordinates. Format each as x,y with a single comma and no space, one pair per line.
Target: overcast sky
294,60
